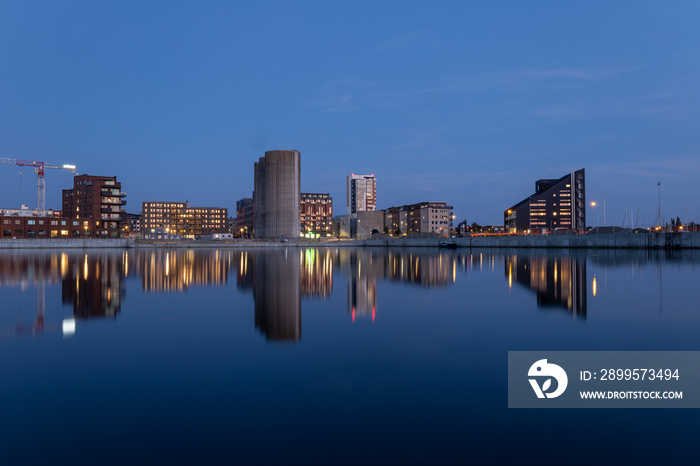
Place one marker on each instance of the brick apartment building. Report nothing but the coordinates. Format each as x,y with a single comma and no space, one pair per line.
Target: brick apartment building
99,200
316,213
25,223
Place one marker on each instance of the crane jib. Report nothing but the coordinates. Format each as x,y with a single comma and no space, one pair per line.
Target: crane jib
39,169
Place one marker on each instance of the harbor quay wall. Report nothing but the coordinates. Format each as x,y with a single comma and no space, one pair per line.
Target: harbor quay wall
64,243
620,240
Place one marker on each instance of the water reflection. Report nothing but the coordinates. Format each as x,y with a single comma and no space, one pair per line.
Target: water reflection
558,281
92,283
366,267
23,272
277,295
316,272
178,269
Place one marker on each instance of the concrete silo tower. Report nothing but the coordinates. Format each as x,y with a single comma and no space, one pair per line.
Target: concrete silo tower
277,194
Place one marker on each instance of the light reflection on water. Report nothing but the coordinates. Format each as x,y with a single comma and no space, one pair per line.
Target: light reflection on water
92,282
400,350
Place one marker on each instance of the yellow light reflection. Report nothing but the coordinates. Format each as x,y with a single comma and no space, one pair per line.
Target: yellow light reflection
85,268
595,286
510,275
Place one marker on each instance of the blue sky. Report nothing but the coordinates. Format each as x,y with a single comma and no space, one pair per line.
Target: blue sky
464,102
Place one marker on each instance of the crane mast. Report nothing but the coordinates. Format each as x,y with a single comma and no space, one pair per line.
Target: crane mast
41,182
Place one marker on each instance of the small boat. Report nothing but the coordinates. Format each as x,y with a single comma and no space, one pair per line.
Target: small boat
448,245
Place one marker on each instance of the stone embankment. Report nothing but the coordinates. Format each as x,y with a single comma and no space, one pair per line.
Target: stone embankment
683,240
619,240
64,243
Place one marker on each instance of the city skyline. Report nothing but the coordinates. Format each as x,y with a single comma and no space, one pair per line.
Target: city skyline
467,104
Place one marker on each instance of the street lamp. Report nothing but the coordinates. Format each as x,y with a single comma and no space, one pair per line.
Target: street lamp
593,204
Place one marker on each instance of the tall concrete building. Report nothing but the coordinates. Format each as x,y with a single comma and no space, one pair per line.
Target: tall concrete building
277,194
362,193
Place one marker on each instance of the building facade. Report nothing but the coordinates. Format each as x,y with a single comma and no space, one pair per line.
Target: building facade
180,220
316,213
360,225
361,193
277,194
556,204
98,199
131,224
19,224
424,217
245,217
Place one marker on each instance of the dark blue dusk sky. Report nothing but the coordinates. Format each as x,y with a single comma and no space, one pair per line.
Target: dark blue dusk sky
464,102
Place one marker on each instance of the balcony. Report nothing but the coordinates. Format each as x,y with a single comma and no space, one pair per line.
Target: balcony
111,201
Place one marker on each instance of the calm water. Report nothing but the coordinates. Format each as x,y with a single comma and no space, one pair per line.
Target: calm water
327,356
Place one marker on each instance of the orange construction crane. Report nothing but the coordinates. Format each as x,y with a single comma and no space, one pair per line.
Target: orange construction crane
39,169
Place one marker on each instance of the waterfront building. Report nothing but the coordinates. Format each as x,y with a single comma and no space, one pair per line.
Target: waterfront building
98,199
165,220
423,217
493,229
131,224
556,204
26,223
245,217
360,225
316,213
361,193
277,194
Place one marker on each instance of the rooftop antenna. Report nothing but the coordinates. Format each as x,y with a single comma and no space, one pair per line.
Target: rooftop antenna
605,223
659,220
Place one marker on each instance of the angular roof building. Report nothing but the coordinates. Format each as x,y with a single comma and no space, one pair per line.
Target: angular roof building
556,204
